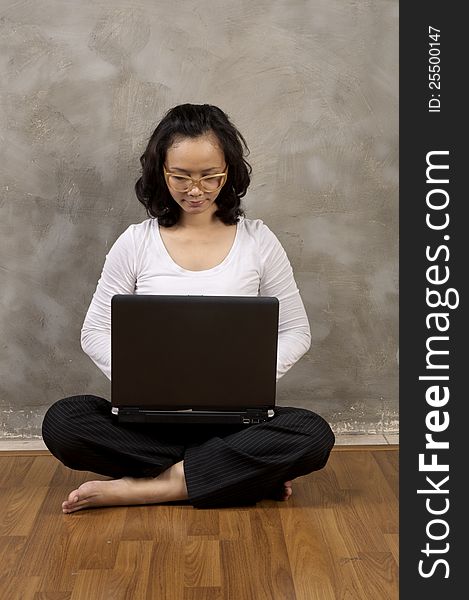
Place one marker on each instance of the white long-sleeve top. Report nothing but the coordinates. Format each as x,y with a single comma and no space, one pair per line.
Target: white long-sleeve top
256,265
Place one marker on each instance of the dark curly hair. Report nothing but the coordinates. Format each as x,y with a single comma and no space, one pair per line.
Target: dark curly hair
193,120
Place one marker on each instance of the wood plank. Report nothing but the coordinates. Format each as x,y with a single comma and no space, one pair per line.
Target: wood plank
240,572
11,551
379,575
90,584
350,465
13,469
310,565
374,501
392,540
258,567
130,575
57,563
271,551
234,524
70,543
156,522
337,537
40,473
203,522
95,536
167,571
340,556
52,595
20,510
203,593
127,579
15,588
320,488
358,530
202,563
389,465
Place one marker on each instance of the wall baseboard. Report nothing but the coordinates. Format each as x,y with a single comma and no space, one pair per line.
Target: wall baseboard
341,440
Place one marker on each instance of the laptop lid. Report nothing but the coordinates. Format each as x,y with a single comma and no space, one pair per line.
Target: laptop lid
203,353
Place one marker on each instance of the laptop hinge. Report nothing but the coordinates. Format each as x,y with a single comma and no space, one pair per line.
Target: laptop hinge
128,410
256,411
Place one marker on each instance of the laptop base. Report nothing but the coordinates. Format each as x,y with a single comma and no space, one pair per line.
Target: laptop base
247,417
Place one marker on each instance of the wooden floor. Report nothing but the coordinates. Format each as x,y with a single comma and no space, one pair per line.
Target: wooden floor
336,538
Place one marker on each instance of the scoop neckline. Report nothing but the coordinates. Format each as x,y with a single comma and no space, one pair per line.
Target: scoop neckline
214,269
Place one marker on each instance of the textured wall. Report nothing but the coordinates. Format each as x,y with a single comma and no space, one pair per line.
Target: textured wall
313,87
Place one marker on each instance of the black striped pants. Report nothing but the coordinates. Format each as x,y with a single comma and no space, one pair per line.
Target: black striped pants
224,465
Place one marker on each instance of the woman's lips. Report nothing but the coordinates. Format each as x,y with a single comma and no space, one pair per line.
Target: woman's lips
195,202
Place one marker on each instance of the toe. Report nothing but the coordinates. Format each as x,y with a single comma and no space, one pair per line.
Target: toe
71,501
73,507
73,497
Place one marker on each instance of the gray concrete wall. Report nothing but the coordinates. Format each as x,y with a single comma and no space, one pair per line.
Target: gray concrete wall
313,87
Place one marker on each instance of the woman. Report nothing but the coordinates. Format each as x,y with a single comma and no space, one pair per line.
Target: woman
195,241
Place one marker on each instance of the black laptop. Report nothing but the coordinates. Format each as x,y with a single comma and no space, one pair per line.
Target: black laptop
193,359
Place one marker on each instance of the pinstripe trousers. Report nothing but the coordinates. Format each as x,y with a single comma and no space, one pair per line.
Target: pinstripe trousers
224,465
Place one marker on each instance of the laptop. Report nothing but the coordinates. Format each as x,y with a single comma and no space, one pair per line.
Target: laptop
193,359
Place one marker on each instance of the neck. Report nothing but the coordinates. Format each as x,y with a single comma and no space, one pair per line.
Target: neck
205,220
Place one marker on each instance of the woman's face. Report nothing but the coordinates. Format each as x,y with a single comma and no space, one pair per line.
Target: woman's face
196,157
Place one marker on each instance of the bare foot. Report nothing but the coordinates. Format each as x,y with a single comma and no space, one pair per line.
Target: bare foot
168,486
287,490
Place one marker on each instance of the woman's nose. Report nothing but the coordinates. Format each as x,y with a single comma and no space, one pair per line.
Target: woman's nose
195,190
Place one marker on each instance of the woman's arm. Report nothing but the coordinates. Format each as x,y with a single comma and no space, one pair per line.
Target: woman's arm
117,277
294,335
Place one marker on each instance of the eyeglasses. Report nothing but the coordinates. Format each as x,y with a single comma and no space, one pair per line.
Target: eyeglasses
184,183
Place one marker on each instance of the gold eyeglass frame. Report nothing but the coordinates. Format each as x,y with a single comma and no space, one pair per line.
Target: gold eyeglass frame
196,182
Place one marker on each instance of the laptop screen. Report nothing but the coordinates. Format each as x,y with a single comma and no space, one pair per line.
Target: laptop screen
193,352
